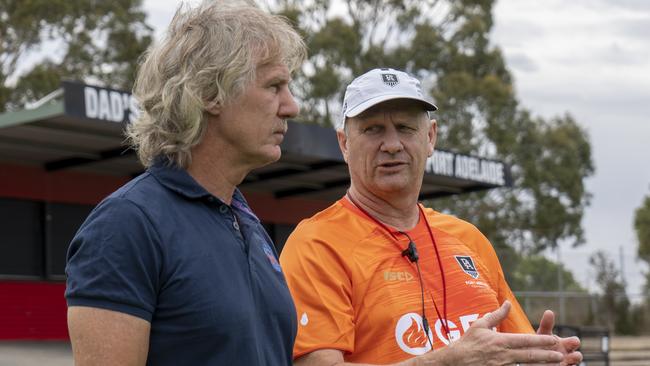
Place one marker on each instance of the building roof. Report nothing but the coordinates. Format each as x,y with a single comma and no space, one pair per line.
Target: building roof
81,129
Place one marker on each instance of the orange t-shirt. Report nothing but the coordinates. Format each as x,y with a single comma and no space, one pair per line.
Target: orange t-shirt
355,292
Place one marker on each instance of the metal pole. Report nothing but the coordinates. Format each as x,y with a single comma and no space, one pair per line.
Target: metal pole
560,287
620,264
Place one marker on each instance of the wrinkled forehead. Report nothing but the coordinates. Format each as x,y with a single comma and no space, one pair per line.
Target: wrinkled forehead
406,108
272,69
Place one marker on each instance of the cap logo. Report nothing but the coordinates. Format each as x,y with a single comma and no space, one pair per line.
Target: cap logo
390,79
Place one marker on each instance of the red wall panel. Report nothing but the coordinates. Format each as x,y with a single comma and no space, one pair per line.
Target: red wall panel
284,210
62,186
32,310
36,309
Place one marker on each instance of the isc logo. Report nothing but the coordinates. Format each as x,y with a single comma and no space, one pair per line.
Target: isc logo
397,276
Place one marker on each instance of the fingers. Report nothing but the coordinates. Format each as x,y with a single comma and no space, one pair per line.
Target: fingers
547,323
491,320
518,341
573,358
527,356
570,344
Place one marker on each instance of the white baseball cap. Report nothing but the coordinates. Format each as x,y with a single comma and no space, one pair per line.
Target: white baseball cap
377,86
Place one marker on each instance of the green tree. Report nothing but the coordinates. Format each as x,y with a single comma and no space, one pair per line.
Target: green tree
446,44
535,282
616,310
538,273
642,228
96,41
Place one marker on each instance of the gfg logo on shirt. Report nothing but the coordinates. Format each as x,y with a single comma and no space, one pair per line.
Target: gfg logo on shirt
410,336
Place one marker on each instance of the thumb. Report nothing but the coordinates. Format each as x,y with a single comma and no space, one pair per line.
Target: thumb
492,319
546,323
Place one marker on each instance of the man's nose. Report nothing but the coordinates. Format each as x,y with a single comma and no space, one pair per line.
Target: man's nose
288,106
391,142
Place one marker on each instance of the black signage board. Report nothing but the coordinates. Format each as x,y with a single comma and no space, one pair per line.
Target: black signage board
471,168
98,103
104,104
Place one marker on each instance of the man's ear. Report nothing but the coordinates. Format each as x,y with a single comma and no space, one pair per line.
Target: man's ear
213,107
433,135
343,143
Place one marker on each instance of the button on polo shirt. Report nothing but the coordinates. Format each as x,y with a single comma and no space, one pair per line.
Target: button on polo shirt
204,274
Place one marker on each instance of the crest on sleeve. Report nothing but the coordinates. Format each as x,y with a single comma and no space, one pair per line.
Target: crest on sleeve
467,265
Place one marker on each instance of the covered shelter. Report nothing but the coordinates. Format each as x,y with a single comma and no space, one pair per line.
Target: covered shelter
60,156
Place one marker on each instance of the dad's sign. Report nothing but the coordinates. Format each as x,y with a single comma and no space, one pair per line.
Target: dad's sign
468,167
99,103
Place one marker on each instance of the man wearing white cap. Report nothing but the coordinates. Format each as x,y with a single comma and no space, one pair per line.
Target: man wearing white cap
377,278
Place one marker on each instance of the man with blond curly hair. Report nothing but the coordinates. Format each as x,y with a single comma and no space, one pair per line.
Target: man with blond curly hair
174,268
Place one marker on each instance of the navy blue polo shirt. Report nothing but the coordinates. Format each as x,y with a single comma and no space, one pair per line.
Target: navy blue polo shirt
203,273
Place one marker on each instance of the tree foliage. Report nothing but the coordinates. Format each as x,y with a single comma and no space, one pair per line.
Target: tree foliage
97,41
538,273
642,228
616,310
446,44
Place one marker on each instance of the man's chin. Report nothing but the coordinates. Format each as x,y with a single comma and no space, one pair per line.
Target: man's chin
396,187
269,157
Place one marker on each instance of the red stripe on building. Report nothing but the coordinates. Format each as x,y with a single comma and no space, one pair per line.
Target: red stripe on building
32,310
35,183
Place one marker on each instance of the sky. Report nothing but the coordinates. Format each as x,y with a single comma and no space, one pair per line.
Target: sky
591,59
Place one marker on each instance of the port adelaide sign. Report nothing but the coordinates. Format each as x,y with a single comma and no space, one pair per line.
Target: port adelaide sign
468,167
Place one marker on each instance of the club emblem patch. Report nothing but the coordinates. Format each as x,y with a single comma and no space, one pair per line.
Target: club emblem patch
271,257
467,265
390,79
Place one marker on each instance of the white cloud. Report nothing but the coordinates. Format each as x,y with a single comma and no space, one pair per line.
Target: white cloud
592,60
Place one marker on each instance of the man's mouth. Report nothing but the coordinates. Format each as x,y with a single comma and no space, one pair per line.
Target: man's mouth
282,130
391,164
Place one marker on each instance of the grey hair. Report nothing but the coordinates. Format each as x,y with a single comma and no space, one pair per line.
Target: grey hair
208,56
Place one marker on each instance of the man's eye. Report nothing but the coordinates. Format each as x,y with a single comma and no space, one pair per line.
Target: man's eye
406,128
372,129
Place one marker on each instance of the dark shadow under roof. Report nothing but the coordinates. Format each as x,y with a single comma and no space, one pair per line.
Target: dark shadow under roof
83,131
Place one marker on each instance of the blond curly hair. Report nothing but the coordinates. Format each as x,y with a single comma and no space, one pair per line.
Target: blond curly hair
209,54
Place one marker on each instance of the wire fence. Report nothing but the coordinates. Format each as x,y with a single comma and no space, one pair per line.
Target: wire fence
580,308
586,316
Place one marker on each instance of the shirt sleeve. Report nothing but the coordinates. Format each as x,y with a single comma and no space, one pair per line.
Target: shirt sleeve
319,283
114,260
517,321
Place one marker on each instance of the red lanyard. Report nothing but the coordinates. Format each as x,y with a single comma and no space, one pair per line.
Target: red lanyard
435,247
